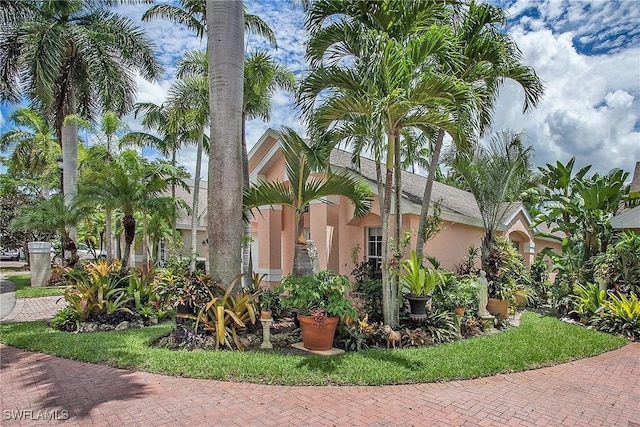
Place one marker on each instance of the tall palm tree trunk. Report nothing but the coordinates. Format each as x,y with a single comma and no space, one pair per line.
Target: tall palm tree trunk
225,37
174,220
129,223
196,202
247,268
109,236
145,245
388,293
69,141
398,223
428,189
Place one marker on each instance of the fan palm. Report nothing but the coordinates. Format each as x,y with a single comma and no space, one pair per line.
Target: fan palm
301,160
72,57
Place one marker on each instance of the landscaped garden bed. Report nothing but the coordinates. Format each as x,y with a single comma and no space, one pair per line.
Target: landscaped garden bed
539,341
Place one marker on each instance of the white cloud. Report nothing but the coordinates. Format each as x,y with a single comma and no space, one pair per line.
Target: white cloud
590,107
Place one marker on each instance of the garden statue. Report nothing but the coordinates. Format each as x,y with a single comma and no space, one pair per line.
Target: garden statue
393,337
483,295
313,256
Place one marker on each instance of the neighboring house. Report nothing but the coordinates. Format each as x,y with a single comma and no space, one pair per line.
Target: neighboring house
336,233
629,219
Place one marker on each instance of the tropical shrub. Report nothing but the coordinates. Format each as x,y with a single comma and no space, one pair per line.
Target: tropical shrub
358,334
440,326
270,301
540,279
620,315
505,270
59,276
619,266
587,300
417,279
370,293
318,296
191,290
66,319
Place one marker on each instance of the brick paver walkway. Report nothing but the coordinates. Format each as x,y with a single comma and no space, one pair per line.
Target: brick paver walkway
29,309
599,391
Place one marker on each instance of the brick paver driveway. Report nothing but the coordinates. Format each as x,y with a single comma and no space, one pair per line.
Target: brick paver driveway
603,390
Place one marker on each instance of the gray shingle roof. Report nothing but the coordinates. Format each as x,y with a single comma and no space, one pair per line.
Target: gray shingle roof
451,199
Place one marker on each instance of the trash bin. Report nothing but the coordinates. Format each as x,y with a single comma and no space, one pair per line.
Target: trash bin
40,262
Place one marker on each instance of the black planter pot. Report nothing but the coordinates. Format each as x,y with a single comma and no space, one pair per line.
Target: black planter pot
418,307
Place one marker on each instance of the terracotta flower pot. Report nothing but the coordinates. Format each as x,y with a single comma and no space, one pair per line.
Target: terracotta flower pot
317,337
265,314
498,307
459,311
521,300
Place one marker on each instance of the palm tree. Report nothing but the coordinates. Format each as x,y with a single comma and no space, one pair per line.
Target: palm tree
166,136
494,176
301,160
488,57
73,57
192,14
189,100
130,184
226,65
32,144
262,77
54,214
389,84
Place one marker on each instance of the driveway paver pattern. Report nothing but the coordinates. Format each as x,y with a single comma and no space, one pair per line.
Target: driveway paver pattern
38,389
598,391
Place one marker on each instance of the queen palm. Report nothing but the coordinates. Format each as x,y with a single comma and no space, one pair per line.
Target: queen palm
301,160
188,98
73,57
164,134
488,58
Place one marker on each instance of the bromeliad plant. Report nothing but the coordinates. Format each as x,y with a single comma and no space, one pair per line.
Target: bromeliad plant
620,315
587,300
224,315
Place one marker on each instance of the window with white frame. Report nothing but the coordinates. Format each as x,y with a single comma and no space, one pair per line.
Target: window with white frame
374,247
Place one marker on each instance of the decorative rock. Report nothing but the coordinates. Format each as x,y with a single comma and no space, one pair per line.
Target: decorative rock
244,341
122,326
88,327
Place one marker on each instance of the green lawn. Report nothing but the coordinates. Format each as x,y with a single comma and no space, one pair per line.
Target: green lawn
24,289
539,341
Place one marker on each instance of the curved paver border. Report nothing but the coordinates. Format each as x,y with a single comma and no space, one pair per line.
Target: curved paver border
601,390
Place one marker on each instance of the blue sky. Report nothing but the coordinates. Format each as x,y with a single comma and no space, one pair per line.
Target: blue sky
586,52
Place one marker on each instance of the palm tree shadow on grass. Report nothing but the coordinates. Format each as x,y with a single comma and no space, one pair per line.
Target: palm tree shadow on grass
50,383
331,364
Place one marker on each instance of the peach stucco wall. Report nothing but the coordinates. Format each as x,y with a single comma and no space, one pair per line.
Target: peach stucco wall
336,232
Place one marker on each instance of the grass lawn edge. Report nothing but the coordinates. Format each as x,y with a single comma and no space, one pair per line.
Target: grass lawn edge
515,350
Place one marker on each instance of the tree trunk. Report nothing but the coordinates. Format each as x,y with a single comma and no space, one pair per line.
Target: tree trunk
109,237
388,301
70,167
196,202
398,223
426,198
225,37
129,223
173,197
145,246
247,268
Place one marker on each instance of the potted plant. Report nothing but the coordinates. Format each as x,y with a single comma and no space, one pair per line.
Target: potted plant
419,282
269,303
462,295
501,295
319,302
